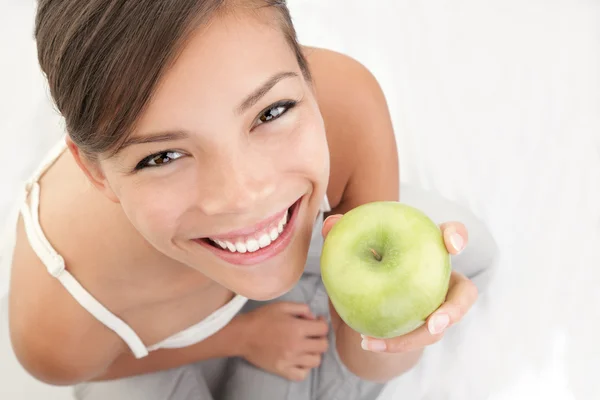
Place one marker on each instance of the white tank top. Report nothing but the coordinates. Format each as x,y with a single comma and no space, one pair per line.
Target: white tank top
55,265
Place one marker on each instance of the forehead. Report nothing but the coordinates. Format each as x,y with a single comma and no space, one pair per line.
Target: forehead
225,60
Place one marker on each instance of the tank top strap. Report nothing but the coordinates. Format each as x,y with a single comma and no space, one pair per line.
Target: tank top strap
51,157
325,206
8,235
55,264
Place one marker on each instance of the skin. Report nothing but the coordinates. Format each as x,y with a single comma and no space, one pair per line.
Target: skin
135,250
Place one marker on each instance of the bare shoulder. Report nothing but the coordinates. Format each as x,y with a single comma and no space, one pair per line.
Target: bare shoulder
53,336
358,124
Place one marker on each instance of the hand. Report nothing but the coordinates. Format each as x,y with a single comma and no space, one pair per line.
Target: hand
285,339
462,294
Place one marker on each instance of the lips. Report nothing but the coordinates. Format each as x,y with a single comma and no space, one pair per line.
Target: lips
250,243
260,243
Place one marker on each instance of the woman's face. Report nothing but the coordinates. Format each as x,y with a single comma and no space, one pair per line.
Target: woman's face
231,147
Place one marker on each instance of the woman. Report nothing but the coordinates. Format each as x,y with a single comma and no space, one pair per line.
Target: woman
204,148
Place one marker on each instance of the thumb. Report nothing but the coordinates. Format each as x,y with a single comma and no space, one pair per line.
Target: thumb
329,222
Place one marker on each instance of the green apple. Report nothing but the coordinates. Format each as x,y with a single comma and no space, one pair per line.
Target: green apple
385,268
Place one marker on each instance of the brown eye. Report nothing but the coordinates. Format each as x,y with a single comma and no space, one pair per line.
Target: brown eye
158,159
275,111
272,113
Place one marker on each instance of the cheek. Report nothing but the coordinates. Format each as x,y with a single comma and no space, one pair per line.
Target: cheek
314,153
156,210
307,151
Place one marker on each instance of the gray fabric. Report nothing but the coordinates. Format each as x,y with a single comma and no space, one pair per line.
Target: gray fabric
313,264
236,379
330,381
191,382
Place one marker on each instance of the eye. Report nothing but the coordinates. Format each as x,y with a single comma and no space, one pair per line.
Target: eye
275,111
158,159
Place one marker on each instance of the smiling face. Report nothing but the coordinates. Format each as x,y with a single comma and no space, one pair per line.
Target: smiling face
231,147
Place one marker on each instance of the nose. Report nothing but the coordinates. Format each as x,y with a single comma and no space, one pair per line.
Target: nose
235,185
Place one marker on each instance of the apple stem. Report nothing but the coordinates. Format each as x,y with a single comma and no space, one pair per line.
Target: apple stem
376,255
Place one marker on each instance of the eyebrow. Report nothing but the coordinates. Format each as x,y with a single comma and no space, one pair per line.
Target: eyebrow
158,137
260,92
248,102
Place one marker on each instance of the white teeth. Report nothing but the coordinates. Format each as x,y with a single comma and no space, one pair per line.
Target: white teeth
264,240
252,245
230,246
281,224
240,247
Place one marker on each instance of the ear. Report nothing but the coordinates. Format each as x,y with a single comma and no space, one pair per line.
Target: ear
92,171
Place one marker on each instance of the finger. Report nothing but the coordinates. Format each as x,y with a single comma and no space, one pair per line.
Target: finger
309,361
455,235
415,340
329,222
316,328
297,374
297,309
316,346
462,294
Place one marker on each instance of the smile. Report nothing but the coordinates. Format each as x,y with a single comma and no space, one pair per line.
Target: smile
259,240
257,244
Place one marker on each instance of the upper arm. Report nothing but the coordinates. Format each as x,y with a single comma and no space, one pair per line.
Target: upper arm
364,155
375,171
52,337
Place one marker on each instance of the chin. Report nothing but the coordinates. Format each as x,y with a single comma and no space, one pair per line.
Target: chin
266,286
268,275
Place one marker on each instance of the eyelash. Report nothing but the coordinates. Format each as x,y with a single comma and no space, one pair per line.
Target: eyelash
145,163
285,105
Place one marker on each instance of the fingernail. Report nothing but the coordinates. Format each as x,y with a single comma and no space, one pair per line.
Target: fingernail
438,323
363,344
457,241
325,220
373,345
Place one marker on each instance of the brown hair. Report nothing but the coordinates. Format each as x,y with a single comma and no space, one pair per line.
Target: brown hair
104,58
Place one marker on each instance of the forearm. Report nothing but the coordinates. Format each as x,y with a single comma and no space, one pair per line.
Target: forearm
225,343
368,365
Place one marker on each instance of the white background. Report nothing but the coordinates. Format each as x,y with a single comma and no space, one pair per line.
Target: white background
496,104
